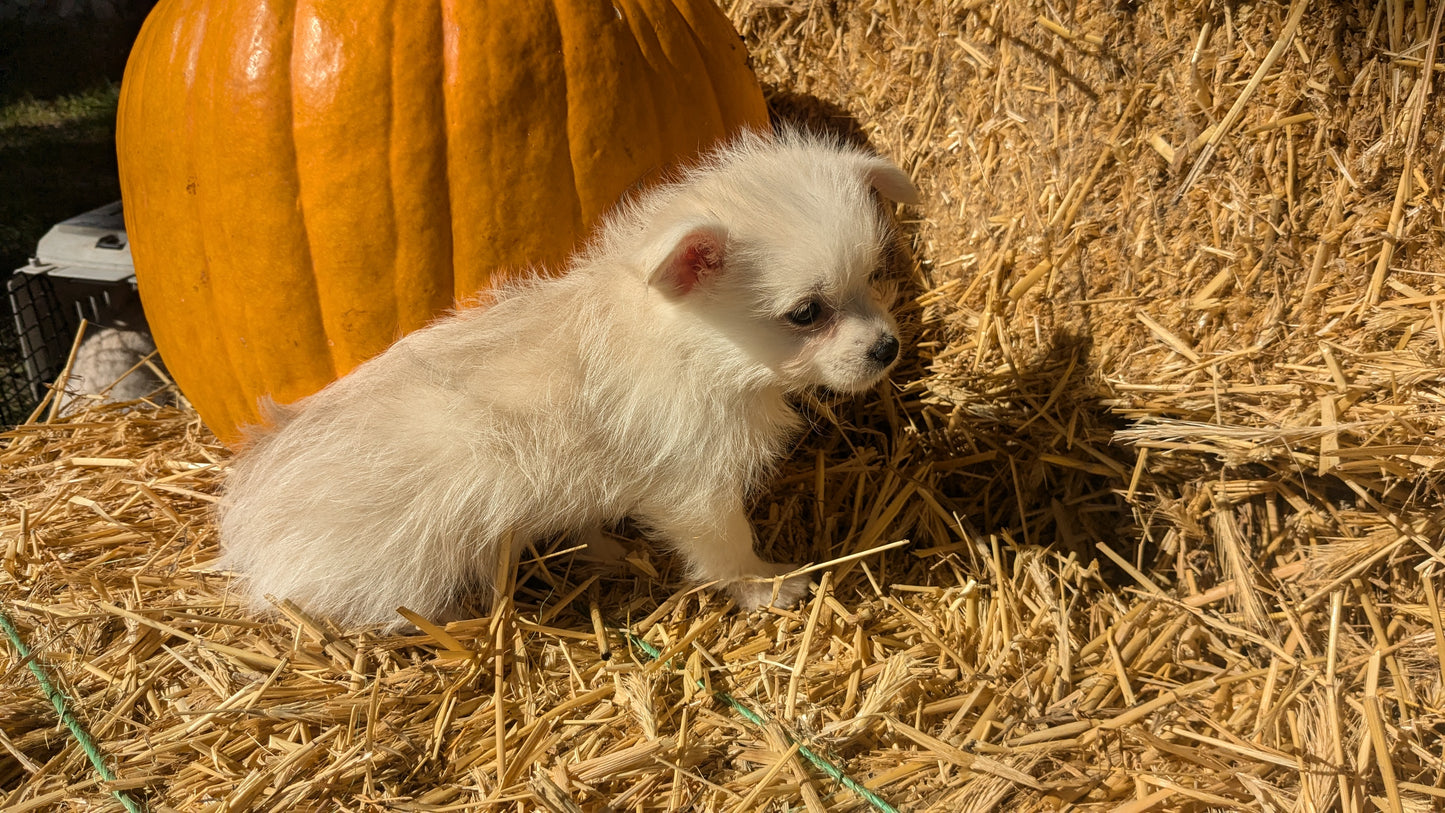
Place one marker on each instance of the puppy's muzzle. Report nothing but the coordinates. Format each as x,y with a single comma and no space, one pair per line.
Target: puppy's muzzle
885,350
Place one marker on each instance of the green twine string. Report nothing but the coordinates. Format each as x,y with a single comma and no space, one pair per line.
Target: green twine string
756,719
57,699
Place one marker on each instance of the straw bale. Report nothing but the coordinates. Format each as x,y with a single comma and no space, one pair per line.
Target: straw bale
1151,519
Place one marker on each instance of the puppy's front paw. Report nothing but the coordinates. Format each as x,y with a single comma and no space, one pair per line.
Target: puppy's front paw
755,592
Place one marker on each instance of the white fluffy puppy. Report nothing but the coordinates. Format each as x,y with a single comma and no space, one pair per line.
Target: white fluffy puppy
650,381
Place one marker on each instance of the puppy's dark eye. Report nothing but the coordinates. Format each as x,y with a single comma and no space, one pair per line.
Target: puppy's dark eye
806,313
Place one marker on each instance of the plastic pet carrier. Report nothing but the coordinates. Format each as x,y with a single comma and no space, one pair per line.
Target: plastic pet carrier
81,270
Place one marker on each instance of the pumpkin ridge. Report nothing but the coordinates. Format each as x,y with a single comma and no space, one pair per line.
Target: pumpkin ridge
444,194
447,78
574,125
642,36
247,268
394,243
421,248
203,160
443,279
649,35
205,287
682,58
446,152
710,65
389,306
700,57
726,58
141,190
392,141
308,232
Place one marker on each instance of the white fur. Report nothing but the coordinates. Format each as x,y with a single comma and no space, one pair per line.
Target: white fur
116,362
101,365
652,380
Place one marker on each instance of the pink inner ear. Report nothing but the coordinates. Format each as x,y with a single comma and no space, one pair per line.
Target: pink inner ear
698,256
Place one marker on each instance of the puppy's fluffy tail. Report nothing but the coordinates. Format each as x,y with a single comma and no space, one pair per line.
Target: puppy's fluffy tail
347,528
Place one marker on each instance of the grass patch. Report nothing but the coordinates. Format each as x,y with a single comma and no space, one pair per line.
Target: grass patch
94,106
57,159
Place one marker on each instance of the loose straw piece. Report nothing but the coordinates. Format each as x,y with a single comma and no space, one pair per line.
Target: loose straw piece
1405,186
1236,111
803,571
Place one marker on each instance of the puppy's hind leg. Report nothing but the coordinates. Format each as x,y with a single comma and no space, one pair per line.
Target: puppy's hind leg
720,548
601,547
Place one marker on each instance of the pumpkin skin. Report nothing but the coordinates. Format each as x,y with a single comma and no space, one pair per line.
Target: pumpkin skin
305,182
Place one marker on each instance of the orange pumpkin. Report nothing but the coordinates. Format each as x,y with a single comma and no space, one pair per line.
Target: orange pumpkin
304,182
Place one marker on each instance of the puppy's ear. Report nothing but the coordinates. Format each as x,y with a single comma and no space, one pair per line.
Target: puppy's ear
696,253
889,181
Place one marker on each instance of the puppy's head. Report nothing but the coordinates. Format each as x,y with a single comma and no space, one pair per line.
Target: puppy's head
775,248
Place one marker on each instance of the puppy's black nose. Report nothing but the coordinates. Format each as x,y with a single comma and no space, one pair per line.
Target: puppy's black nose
885,351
